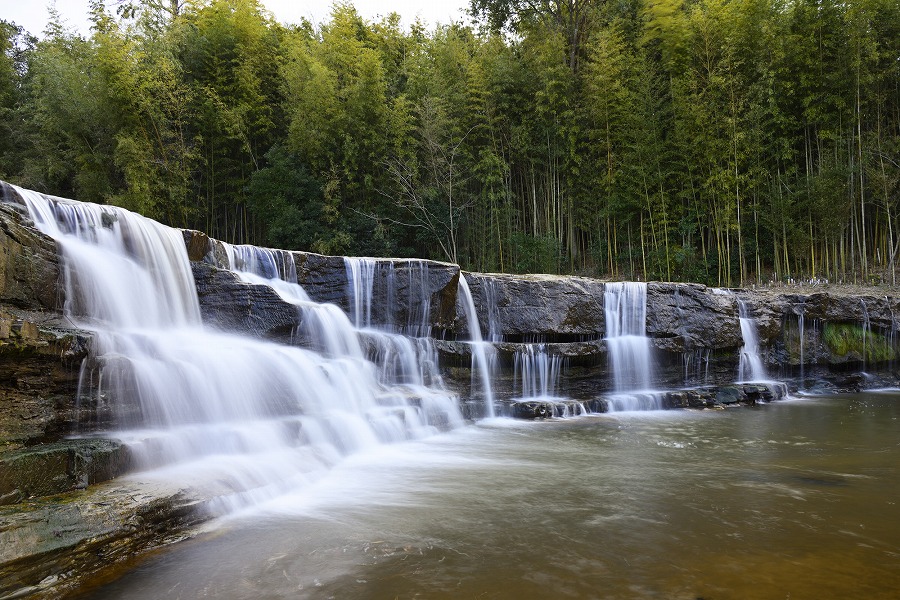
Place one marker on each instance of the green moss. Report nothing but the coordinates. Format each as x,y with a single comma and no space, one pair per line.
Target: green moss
844,339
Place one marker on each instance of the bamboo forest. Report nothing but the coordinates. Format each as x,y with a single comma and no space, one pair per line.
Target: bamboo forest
725,142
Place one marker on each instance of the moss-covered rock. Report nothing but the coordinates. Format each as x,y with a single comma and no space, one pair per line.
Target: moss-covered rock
850,342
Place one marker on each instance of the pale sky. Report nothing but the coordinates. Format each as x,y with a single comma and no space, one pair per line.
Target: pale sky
32,14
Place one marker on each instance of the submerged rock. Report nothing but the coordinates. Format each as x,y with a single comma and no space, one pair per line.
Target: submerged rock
532,409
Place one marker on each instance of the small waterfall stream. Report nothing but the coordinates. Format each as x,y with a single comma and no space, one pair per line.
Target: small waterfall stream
483,353
867,328
537,373
241,418
801,325
750,367
625,310
361,281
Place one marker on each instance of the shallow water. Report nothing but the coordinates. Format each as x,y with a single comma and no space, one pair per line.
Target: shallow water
796,499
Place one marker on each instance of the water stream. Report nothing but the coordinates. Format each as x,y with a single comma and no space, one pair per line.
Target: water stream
625,311
792,500
750,367
483,353
537,373
243,419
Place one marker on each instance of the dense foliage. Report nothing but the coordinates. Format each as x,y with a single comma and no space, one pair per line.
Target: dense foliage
721,141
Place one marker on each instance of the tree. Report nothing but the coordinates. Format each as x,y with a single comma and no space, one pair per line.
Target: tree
571,19
432,188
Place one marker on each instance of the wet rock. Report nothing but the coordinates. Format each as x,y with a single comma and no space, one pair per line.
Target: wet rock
59,467
39,372
50,546
229,304
729,395
683,317
537,307
197,244
29,264
532,409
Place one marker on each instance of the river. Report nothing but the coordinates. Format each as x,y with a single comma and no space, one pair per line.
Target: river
796,499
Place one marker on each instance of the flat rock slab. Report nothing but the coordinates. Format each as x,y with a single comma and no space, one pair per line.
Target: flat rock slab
49,547
47,469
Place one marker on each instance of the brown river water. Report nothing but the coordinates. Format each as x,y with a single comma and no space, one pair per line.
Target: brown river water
790,500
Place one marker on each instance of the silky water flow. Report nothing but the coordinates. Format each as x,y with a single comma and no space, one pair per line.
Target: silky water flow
241,418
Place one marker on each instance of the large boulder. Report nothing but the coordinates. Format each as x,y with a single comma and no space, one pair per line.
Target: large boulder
684,317
230,304
537,307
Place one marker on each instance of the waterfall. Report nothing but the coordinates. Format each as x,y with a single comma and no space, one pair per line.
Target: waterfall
750,367
625,311
241,418
492,307
801,325
483,354
361,281
418,316
379,289
536,372
866,330
892,339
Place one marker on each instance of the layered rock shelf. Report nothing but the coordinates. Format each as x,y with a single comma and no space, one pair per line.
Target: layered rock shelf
691,327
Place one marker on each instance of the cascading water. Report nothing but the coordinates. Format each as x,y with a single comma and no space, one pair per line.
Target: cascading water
418,314
867,328
625,310
536,372
242,419
483,355
750,367
412,276
361,278
696,360
801,325
892,335
492,307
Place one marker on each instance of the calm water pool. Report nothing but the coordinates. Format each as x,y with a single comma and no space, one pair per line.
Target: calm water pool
797,499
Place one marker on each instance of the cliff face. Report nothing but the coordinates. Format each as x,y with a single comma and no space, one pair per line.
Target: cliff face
539,307
29,262
40,354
